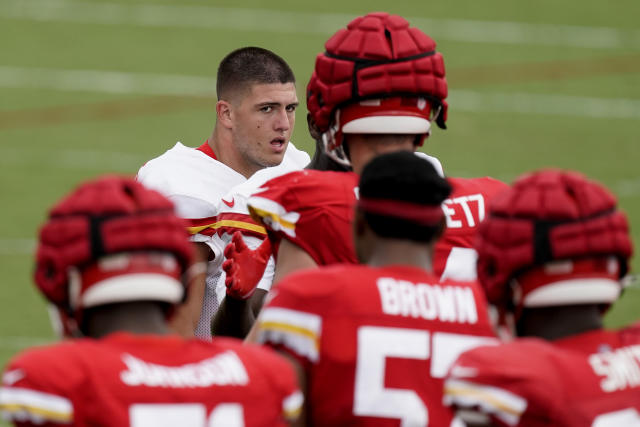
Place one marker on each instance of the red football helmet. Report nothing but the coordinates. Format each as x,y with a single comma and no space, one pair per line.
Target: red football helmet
378,75
112,240
554,238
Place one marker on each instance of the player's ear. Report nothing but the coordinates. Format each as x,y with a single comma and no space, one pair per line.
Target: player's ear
223,113
313,128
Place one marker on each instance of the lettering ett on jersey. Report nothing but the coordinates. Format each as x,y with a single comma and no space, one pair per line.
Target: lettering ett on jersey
454,257
375,342
140,381
591,379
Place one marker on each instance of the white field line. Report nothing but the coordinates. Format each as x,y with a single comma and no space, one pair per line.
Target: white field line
296,22
21,246
18,343
106,81
91,160
168,84
545,104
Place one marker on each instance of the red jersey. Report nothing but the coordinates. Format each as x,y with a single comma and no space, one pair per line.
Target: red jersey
591,379
139,381
312,209
454,256
375,342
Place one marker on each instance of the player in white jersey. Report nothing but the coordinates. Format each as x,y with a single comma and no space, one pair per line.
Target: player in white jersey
255,116
240,307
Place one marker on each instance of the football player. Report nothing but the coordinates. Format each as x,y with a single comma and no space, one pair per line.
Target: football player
552,252
255,116
378,88
372,342
113,259
238,311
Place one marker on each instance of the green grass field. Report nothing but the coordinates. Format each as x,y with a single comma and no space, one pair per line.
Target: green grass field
89,87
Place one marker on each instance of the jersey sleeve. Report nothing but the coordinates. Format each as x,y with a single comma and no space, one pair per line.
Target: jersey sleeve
455,256
311,209
292,318
35,392
507,383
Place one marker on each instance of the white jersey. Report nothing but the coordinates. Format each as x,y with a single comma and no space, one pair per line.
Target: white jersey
196,183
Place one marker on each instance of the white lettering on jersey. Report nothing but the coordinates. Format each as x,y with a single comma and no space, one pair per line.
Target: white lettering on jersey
620,368
224,369
430,302
464,211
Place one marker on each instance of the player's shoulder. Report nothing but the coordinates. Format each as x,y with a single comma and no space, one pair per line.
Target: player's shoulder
39,386
324,280
309,178
502,380
40,383
484,185
308,188
333,275
630,334
187,171
518,352
176,157
281,202
57,357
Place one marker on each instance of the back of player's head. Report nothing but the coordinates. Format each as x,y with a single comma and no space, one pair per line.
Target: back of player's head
554,238
111,240
400,195
248,66
377,76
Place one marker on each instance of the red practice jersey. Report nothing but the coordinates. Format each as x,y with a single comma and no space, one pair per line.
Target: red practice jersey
591,379
312,209
375,342
454,256
144,381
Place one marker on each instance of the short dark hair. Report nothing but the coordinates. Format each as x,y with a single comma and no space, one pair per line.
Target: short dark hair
251,65
403,177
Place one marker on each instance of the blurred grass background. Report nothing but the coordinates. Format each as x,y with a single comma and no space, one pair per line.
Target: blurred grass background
90,87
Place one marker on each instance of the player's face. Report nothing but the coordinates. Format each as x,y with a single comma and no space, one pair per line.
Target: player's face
262,123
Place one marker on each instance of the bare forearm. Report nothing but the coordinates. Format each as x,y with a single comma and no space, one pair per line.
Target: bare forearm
236,316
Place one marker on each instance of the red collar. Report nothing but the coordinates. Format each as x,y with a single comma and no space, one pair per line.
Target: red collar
206,149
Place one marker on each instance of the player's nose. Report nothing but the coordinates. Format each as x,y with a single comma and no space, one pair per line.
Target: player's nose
283,121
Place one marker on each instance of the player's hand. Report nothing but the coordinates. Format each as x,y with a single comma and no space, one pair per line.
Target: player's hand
244,267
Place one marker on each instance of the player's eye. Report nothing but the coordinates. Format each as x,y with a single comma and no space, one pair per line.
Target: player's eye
291,108
266,109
